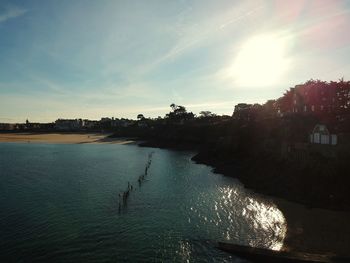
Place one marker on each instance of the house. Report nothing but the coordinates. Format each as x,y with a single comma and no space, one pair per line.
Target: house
7,126
317,97
67,125
142,124
115,122
105,120
125,123
89,124
321,135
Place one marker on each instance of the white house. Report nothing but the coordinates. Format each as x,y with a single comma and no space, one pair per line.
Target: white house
321,135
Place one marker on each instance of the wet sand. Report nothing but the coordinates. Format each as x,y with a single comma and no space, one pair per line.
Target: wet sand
67,138
315,230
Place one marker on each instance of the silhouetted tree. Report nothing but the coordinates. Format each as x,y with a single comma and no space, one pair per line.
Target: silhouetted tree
206,114
140,116
179,113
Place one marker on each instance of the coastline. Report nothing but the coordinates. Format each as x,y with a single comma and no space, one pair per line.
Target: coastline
258,175
62,138
315,230
309,229
312,230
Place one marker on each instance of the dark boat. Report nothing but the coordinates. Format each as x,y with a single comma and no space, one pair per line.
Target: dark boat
267,255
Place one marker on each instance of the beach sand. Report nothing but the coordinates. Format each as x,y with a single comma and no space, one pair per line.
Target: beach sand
68,138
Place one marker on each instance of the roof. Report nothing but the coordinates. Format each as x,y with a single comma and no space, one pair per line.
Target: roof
321,128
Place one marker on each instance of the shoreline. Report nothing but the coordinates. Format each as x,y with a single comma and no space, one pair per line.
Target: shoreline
245,170
312,230
309,229
62,138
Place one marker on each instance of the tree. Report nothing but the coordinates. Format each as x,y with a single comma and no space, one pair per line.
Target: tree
178,109
206,114
140,116
269,109
179,112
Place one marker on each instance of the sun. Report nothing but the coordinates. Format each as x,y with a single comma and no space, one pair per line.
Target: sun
261,61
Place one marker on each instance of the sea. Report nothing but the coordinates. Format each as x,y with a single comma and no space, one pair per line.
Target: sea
124,203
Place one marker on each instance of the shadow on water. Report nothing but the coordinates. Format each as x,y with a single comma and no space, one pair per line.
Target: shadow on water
314,230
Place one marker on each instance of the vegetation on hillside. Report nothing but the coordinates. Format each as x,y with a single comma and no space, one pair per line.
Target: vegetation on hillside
267,146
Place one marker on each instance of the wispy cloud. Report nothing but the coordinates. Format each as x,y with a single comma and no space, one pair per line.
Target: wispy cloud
50,85
199,32
12,12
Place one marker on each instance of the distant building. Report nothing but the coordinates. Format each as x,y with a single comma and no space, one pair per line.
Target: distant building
68,125
32,125
7,126
244,111
88,124
241,110
317,97
321,135
108,123
142,124
115,122
106,120
126,123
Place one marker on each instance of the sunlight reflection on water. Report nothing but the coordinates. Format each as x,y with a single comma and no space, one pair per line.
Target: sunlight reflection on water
185,250
241,219
178,215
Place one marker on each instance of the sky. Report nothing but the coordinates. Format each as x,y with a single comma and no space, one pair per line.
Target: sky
93,59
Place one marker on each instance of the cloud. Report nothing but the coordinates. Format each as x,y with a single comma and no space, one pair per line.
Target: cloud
200,30
50,85
12,12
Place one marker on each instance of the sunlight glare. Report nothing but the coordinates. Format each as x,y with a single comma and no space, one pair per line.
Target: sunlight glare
261,61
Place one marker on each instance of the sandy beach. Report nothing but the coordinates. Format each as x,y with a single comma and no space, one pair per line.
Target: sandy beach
68,138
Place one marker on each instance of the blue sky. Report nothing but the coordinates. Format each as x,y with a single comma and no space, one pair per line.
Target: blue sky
89,59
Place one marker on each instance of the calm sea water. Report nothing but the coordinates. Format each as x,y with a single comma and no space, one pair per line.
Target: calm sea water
59,203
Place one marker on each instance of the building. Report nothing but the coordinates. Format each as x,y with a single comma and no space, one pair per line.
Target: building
321,135
89,124
69,124
126,123
7,126
317,97
247,112
242,111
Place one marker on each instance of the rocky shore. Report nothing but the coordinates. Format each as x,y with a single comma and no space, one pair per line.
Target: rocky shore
315,224
295,182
